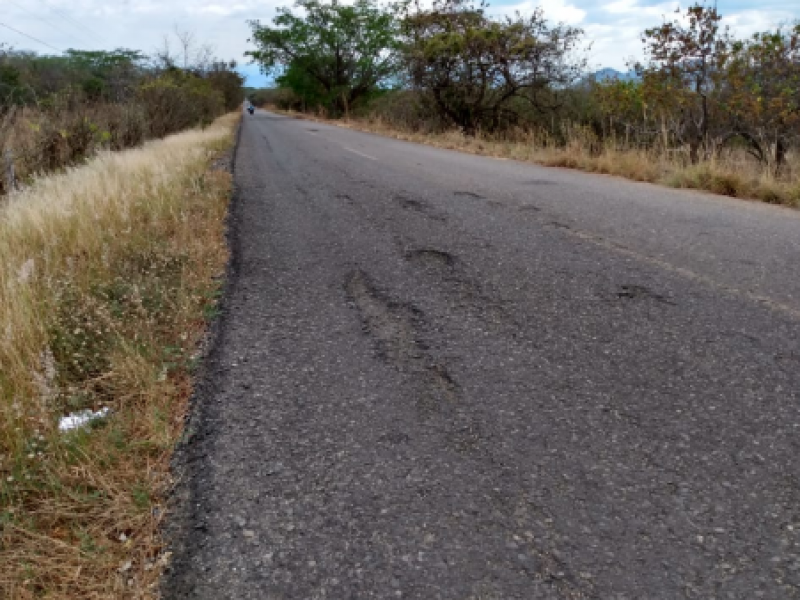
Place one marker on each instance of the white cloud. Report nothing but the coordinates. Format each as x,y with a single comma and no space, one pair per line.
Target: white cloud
634,10
747,22
613,27
558,11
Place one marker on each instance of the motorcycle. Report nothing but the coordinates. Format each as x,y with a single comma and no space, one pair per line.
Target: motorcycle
251,109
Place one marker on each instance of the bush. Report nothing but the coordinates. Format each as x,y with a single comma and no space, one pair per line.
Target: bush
176,101
68,129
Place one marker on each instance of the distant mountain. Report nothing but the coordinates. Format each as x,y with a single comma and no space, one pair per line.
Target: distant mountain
609,73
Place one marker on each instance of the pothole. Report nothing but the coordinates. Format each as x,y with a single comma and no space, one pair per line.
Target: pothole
418,206
389,323
429,257
394,326
410,204
345,197
640,292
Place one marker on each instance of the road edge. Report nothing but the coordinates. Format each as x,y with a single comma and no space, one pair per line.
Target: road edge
179,527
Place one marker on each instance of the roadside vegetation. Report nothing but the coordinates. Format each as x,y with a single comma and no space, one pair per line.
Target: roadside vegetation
704,109
57,111
110,267
108,274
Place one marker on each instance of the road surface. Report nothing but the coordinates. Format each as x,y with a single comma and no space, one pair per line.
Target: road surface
445,376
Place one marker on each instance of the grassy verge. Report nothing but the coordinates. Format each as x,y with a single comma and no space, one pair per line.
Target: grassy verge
734,175
108,274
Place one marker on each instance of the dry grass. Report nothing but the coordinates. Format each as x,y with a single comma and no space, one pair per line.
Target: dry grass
108,273
735,174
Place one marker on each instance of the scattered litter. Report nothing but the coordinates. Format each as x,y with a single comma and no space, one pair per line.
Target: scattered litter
81,419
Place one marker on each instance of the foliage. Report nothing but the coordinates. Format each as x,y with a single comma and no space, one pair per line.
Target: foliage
106,272
223,78
57,111
685,75
329,54
763,93
475,67
177,100
265,96
699,93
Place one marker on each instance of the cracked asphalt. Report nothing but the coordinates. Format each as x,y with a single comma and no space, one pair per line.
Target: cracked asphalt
441,376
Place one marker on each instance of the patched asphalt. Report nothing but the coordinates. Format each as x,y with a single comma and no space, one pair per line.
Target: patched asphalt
444,376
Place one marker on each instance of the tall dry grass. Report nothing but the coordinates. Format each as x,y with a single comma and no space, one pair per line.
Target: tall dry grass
733,173
108,273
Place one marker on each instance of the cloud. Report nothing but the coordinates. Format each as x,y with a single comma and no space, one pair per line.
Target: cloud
613,26
558,11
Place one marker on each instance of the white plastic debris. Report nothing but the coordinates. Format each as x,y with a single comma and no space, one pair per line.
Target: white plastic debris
81,419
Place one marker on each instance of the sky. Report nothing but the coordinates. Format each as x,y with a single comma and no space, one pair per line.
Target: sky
612,27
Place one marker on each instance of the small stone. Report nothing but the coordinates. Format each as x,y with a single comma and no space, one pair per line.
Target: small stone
274,468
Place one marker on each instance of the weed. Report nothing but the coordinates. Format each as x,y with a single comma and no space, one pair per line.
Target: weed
141,496
107,273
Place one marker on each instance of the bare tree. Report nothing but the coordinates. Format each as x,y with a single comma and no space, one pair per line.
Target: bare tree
186,43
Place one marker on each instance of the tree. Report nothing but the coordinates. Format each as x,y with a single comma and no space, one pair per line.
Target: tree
11,92
763,93
223,77
687,60
478,68
106,75
332,54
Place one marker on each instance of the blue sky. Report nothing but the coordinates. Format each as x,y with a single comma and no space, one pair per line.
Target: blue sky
612,26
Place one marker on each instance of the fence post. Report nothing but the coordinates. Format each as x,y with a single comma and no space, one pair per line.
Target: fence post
11,179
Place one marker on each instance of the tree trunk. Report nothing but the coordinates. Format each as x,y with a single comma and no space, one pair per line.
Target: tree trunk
780,155
694,152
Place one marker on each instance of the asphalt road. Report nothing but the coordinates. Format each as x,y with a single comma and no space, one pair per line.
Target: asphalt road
446,376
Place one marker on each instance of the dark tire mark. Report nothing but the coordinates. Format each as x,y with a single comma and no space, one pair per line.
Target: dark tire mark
559,225
266,141
640,292
469,195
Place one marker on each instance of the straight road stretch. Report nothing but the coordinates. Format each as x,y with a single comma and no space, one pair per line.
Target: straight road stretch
442,376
